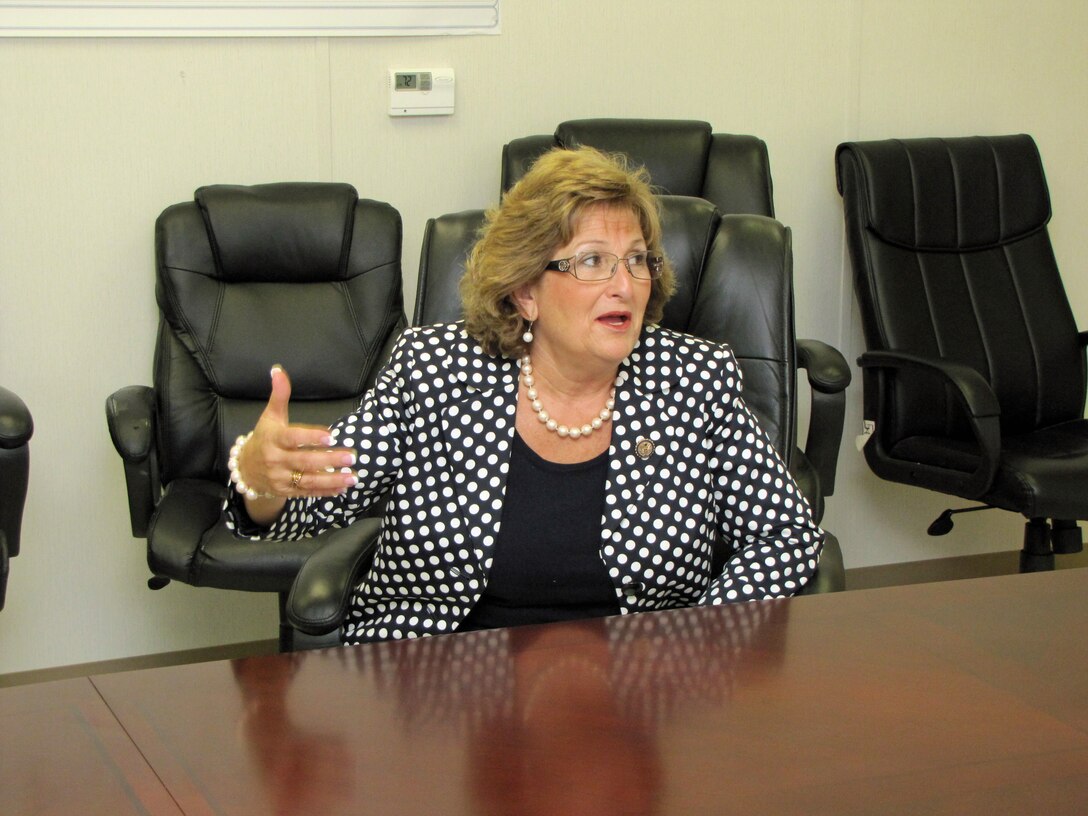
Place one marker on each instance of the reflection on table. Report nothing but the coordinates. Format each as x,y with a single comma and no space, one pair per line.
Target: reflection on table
553,720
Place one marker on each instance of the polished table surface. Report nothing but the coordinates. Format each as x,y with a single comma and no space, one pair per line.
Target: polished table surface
965,697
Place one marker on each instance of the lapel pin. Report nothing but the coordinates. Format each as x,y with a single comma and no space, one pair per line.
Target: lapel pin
644,448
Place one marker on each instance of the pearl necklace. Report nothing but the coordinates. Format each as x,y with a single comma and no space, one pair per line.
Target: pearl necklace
549,423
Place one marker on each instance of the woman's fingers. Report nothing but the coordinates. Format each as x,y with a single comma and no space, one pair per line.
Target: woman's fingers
307,466
298,472
319,483
330,467
306,450
303,437
294,471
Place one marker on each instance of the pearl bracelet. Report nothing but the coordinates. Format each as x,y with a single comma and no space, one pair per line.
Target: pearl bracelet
236,473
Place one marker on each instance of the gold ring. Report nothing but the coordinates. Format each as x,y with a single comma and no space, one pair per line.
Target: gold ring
296,477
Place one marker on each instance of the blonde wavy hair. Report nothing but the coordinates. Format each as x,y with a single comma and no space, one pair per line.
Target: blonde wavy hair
539,214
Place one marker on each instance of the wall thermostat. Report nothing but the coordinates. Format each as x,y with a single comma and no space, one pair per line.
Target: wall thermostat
426,92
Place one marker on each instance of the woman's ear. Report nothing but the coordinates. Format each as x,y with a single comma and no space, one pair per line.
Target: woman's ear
524,298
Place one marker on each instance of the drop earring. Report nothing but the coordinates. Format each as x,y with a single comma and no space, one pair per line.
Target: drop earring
528,336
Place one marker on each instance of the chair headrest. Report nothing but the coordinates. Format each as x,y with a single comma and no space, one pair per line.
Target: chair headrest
674,151
688,226
953,194
294,232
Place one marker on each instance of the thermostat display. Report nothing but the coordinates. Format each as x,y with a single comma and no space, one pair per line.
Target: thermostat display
420,81
421,92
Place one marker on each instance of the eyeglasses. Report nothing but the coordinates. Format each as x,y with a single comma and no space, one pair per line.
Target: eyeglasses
600,266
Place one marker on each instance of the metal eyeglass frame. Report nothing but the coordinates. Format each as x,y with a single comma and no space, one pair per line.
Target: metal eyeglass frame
655,262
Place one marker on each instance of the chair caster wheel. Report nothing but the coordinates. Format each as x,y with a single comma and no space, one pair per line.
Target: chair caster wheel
1066,537
1036,562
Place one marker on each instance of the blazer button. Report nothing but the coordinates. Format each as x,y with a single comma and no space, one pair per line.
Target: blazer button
633,588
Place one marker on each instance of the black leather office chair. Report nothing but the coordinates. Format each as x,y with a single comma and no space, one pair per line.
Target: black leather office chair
735,284
16,428
974,373
303,274
684,157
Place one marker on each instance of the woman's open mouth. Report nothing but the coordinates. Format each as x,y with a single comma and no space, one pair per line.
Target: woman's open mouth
616,320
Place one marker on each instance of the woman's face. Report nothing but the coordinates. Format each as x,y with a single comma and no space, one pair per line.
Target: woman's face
587,327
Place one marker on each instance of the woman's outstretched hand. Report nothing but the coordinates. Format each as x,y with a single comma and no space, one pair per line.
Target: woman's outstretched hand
281,460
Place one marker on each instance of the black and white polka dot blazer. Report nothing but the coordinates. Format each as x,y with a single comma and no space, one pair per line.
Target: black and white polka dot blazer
437,430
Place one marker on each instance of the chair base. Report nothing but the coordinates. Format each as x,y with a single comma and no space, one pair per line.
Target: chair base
1042,541
1065,536
1034,562
1038,552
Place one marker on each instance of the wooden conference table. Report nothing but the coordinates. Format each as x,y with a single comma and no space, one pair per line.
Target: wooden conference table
967,697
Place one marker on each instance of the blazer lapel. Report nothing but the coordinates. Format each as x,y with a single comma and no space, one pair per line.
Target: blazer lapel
476,419
641,434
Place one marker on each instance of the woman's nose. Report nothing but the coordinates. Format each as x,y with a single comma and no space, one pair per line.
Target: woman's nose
621,282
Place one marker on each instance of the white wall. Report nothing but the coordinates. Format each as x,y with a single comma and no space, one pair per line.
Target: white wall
98,136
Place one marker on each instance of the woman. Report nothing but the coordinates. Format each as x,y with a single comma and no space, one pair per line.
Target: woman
554,456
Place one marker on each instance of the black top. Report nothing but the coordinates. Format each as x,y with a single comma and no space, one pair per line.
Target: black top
546,564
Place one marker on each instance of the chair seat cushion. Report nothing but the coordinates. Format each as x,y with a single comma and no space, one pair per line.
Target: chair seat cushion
1043,473
188,542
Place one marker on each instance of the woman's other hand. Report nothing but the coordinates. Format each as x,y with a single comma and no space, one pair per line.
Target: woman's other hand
280,460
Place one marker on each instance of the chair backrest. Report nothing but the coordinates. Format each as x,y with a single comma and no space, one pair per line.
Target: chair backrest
952,259
302,274
734,284
683,157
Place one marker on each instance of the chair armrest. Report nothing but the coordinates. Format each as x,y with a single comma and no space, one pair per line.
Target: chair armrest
974,394
3,568
319,598
130,412
130,416
830,574
828,376
977,396
16,426
825,367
